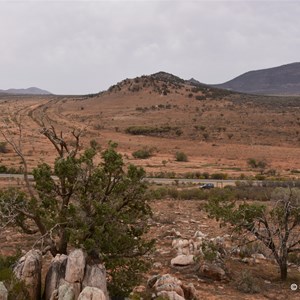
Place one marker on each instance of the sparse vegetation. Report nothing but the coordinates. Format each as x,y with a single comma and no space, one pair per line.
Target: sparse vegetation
181,156
276,227
3,147
219,176
246,283
16,289
143,153
253,163
152,131
234,128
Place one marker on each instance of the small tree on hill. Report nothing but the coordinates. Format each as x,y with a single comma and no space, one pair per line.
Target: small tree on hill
98,207
276,227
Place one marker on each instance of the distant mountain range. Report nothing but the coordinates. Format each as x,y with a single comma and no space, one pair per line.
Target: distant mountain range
28,91
282,80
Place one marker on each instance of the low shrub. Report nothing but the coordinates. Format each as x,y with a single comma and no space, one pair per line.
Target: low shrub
251,248
143,153
148,130
3,169
16,288
3,147
294,258
247,283
181,156
219,176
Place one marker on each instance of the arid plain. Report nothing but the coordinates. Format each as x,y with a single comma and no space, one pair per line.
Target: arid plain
218,130
218,133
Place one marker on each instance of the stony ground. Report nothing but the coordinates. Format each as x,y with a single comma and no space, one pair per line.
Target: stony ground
187,217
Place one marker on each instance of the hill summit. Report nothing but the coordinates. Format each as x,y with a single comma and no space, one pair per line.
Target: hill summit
282,80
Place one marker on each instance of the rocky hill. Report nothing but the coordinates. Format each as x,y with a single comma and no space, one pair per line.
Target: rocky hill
28,91
282,80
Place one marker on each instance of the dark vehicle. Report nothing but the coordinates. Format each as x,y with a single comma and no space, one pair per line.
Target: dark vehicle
207,186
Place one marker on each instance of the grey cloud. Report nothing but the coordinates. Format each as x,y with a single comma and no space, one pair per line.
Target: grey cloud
86,46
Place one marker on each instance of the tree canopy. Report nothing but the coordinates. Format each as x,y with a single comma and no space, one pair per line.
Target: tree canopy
276,225
98,207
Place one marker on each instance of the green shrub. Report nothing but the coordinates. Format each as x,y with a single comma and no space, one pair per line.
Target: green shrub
143,153
3,147
179,132
260,177
147,130
210,251
220,176
294,258
198,97
256,164
3,169
16,289
251,248
247,283
199,127
174,193
181,156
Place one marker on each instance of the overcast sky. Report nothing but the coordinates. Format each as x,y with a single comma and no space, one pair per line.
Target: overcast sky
79,47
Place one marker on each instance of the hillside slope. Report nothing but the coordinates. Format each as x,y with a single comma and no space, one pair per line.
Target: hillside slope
282,80
218,130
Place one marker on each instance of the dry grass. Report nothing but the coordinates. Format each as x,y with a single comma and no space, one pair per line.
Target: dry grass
219,133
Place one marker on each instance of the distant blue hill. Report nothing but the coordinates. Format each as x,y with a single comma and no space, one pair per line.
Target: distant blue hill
282,80
28,91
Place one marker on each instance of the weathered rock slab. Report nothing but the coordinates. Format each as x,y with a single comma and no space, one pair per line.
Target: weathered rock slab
168,283
66,292
75,266
182,260
170,295
95,276
3,292
91,293
54,275
28,269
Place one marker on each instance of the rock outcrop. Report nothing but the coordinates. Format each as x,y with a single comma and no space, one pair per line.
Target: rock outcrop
213,271
95,276
28,269
91,293
69,275
64,292
3,292
55,274
171,288
182,260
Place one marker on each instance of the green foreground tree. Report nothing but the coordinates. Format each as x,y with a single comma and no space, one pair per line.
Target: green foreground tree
98,207
276,225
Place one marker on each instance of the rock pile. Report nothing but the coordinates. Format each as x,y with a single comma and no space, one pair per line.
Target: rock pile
188,249
170,287
68,278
